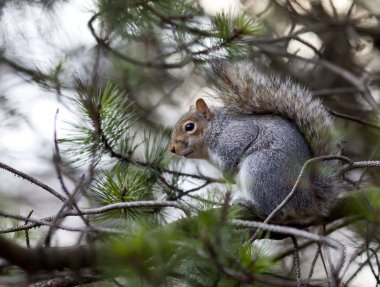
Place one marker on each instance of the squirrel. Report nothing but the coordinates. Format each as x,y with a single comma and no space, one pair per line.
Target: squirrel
263,134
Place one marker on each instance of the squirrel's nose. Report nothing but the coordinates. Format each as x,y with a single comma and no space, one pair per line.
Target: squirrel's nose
172,148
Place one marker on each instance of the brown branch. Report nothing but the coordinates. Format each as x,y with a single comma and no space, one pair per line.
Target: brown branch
32,180
370,263
133,204
343,90
148,64
68,279
355,119
27,240
57,157
66,205
170,22
358,252
296,232
341,224
296,260
360,267
36,75
128,159
48,259
350,164
57,164
312,267
245,277
360,164
47,221
187,192
235,35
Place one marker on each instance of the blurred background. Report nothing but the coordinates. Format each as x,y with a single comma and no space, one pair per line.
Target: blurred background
157,55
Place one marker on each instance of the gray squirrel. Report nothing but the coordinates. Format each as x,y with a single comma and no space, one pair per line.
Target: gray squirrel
262,135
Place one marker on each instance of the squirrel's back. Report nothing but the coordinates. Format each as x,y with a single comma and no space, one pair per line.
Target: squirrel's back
243,88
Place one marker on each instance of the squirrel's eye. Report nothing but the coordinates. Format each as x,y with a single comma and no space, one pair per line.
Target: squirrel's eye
189,127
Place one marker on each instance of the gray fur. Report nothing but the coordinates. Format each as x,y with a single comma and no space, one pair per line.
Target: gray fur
267,130
265,154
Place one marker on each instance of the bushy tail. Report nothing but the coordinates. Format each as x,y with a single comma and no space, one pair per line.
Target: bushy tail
243,88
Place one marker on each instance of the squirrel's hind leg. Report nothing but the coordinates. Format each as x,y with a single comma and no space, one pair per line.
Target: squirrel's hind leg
266,177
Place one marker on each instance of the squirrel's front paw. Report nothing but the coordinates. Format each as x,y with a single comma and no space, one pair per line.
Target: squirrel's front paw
244,202
247,209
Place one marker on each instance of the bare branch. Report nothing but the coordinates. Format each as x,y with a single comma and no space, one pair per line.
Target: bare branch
360,164
122,205
323,92
57,164
27,240
296,260
48,259
32,180
355,119
67,204
40,222
133,204
296,232
313,264
104,44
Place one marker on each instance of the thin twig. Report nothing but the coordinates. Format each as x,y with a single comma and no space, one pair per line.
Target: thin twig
57,164
27,240
66,205
371,156
359,251
133,204
371,265
57,157
187,192
325,268
48,223
245,277
360,164
104,44
355,119
296,260
295,186
32,180
374,252
296,232
360,267
331,91
339,225
121,205
313,264
334,278
116,154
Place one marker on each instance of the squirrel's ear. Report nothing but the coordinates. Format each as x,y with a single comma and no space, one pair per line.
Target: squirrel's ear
201,107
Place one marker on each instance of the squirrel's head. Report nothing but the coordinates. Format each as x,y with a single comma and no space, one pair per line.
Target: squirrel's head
189,132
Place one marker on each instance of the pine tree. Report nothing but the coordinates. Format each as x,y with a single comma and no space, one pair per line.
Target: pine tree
143,225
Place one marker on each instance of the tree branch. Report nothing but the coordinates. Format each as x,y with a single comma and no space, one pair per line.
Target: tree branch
296,232
48,259
32,180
